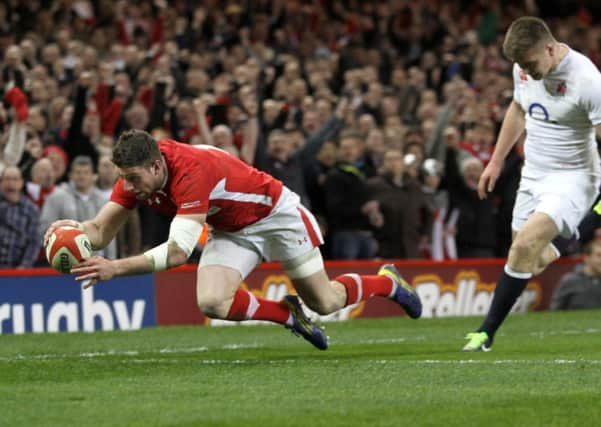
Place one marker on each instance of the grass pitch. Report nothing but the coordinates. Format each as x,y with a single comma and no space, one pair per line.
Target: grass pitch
544,370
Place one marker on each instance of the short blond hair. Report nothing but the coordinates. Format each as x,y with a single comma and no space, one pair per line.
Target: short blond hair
524,34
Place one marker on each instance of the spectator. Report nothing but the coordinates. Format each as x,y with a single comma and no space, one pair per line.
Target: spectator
19,222
42,182
84,129
76,74
476,226
273,115
221,136
17,131
129,237
442,244
59,159
376,147
407,213
581,288
107,176
41,185
78,199
351,211
479,141
279,158
316,175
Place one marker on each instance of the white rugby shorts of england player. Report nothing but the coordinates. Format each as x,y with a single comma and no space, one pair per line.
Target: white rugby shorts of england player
565,196
288,232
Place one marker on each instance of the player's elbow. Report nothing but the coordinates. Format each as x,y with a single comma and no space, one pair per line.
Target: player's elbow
176,256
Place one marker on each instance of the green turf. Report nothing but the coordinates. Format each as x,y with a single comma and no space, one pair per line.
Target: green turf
545,369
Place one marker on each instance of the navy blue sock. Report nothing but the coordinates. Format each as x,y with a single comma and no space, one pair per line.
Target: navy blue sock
586,232
565,246
588,225
508,289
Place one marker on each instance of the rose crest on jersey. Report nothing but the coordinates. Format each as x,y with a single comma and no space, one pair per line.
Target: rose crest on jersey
556,88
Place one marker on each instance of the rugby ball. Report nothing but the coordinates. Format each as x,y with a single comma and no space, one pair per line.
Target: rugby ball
67,247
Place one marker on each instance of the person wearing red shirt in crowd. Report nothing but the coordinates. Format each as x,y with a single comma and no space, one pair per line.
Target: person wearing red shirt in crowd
42,182
41,186
253,217
480,142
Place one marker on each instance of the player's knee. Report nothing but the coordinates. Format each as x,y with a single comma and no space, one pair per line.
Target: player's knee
523,249
212,305
523,256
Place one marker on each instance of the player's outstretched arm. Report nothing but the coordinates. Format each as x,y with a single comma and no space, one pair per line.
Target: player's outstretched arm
104,227
184,232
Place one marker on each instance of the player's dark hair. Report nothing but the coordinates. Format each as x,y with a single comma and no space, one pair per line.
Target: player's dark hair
135,148
524,34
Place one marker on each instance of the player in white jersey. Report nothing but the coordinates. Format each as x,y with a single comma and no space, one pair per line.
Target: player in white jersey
557,101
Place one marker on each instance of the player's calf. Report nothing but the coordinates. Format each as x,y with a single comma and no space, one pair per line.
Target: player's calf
388,283
213,306
322,306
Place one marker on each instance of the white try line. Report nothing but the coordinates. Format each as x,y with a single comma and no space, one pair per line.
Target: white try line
403,362
135,357
110,353
542,334
502,362
243,346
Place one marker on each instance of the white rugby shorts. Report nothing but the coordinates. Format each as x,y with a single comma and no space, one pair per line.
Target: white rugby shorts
565,196
288,232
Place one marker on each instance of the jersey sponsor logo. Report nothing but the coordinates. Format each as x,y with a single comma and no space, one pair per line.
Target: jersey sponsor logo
539,112
188,205
220,193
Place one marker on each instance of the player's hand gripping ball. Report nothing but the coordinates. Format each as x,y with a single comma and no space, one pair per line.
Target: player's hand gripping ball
67,247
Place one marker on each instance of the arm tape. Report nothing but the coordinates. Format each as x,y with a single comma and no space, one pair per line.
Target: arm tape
158,256
185,233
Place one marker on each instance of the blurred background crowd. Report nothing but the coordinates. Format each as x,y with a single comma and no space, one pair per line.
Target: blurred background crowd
381,115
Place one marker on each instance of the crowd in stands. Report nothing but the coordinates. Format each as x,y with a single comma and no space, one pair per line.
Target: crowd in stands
380,114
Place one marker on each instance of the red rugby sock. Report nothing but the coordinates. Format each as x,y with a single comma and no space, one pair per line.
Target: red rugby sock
360,288
247,306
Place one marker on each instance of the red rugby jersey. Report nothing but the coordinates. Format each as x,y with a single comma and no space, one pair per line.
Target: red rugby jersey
205,179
